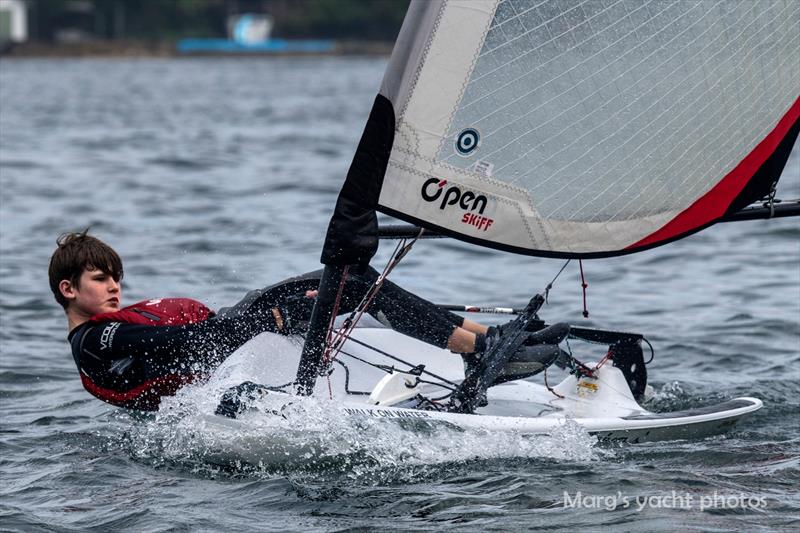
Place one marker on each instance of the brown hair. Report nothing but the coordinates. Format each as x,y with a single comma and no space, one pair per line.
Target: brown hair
77,252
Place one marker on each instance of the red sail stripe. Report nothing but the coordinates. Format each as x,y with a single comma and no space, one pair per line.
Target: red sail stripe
715,202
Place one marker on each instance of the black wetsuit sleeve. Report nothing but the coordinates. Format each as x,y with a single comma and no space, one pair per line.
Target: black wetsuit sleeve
393,306
142,352
114,340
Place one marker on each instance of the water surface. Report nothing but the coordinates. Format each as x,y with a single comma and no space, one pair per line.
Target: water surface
215,176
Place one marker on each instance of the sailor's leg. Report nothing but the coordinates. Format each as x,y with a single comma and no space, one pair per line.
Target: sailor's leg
474,327
461,340
402,310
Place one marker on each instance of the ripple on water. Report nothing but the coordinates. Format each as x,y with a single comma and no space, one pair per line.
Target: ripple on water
206,199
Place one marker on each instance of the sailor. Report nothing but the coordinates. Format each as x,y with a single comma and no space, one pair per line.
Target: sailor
133,356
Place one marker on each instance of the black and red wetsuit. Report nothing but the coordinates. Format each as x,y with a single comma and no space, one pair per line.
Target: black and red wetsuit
133,357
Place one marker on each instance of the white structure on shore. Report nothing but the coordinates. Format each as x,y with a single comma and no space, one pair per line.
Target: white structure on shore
249,28
13,21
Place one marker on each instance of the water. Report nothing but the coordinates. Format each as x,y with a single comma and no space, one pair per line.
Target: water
215,176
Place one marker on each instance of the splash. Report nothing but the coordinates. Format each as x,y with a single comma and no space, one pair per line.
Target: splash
315,437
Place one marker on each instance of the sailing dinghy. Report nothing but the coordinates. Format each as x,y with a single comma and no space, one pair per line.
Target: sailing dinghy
369,385
571,130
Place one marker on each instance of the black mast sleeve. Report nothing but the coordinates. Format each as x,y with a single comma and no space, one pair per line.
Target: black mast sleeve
352,237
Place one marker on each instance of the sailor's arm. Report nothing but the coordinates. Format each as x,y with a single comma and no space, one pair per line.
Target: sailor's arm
114,340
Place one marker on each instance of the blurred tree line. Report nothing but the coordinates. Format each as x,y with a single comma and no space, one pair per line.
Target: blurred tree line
171,19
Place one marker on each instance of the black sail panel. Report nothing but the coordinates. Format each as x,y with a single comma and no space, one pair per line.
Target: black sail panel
352,237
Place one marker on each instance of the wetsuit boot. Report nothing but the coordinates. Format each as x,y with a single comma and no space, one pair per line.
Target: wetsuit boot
539,351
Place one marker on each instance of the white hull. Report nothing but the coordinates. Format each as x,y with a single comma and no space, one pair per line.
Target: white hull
603,407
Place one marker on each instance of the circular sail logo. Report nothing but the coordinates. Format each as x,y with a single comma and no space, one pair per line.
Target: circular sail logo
467,141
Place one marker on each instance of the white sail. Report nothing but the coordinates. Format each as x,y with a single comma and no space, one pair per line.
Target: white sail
573,128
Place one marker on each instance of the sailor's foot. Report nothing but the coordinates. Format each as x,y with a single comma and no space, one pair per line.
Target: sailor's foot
237,399
526,362
539,350
550,335
554,334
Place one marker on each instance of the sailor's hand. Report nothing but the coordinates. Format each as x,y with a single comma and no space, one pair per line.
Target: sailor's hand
311,294
281,316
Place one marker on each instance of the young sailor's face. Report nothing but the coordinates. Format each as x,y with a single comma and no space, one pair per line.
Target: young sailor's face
98,293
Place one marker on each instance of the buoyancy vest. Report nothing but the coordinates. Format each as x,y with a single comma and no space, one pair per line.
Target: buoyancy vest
158,312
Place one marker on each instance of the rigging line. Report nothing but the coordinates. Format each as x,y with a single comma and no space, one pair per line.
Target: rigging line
358,311
604,383
392,369
439,399
330,340
581,370
399,253
395,358
608,384
327,357
350,323
334,345
435,384
550,285
386,368
347,382
368,296
769,199
583,286
549,388
279,388
600,343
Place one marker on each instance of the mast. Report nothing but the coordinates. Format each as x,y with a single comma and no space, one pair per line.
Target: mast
352,237
316,337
